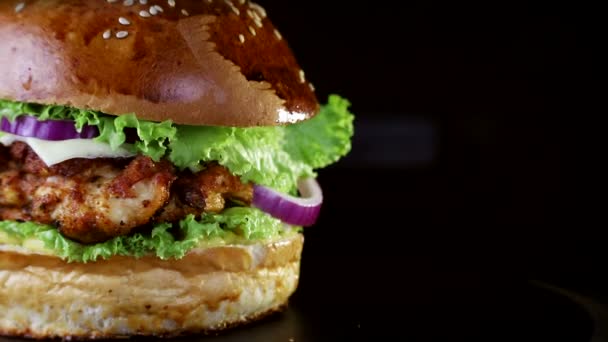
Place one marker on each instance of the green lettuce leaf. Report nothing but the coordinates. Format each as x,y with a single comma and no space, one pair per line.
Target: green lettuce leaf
234,225
324,139
12,110
273,156
255,154
153,136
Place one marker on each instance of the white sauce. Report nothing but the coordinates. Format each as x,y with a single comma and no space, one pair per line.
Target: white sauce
55,152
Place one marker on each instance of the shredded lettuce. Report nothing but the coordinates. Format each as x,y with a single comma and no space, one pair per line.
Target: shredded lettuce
273,156
238,224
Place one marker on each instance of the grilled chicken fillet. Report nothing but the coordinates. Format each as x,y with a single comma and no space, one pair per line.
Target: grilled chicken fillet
95,200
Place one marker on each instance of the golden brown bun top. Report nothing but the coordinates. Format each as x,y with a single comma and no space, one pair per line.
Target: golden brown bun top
199,62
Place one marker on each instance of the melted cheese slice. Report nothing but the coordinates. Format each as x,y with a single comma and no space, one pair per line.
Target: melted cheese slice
55,152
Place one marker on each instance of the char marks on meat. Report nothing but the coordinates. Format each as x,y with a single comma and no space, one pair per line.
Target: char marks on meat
207,190
3,158
93,200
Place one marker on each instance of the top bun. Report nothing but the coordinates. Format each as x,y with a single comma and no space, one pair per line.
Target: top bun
196,62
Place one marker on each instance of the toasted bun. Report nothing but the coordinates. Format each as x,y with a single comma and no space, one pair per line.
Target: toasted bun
208,290
200,62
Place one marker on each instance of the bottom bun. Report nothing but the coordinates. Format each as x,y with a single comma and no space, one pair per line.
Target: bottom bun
208,290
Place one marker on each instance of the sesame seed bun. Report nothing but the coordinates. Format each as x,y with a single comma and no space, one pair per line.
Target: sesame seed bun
196,62
208,290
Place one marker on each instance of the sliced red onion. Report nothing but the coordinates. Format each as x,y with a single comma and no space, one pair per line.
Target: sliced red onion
55,130
300,211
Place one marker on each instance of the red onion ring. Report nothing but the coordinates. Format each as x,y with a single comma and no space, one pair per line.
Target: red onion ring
54,130
299,211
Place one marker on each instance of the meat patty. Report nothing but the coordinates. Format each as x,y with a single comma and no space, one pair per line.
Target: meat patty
80,196
93,200
206,191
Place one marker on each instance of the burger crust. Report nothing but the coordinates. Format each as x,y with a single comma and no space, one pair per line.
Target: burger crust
198,63
208,290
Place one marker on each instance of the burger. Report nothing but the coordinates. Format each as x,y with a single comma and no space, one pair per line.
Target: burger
158,164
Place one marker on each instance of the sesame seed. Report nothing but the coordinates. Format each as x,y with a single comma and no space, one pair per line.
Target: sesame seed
241,2
255,16
122,34
311,86
258,9
235,10
258,23
107,34
143,2
302,76
112,1
278,34
171,3
144,14
241,38
153,10
184,12
124,21
128,3
232,7
158,8
19,7
252,30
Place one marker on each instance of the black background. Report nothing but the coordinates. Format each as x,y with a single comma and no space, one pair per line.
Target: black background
470,172
473,172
